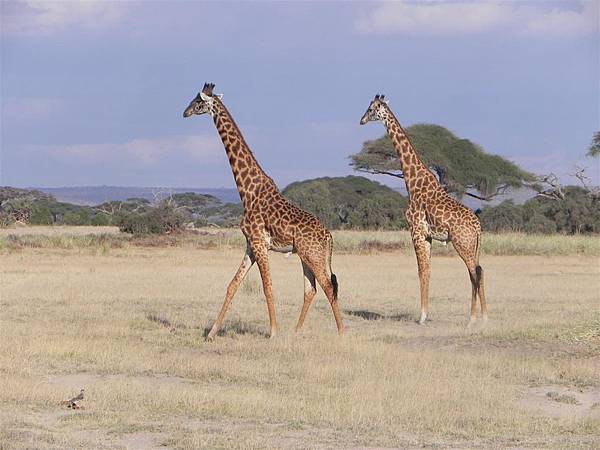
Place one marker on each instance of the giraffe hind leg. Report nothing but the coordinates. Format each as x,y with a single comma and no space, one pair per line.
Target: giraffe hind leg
469,254
324,280
474,289
310,290
317,262
481,293
316,259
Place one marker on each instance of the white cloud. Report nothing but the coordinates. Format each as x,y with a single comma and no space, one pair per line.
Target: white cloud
24,108
42,18
149,152
468,17
196,147
561,22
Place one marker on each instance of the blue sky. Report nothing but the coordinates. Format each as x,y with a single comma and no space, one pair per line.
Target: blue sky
93,92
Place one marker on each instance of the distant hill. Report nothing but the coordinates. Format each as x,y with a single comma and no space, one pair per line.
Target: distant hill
94,195
350,202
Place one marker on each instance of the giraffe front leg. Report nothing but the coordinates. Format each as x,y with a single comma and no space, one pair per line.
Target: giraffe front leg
239,276
422,245
262,260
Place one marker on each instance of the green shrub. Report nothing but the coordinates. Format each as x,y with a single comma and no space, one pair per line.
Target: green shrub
41,215
81,217
101,219
163,219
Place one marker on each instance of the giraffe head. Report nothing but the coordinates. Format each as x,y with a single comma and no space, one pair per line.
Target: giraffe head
376,110
204,102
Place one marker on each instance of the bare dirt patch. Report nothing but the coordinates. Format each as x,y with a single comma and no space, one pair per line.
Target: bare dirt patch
562,402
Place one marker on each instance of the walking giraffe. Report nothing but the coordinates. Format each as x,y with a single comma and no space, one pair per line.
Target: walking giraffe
270,222
432,213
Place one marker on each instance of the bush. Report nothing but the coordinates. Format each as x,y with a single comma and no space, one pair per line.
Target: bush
577,213
41,215
505,217
102,220
163,219
6,219
80,217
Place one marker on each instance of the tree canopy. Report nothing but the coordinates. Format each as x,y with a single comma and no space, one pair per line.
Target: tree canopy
461,166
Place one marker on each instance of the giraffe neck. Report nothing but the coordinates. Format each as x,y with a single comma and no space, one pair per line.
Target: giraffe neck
248,174
410,163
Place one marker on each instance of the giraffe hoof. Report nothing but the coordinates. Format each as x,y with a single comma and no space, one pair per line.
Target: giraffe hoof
211,335
422,320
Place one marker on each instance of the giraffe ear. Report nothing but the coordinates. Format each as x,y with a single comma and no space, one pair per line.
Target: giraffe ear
219,96
205,97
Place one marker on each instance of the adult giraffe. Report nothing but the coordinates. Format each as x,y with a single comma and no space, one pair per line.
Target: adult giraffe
432,213
270,222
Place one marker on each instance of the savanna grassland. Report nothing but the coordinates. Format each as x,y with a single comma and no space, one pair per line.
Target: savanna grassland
124,318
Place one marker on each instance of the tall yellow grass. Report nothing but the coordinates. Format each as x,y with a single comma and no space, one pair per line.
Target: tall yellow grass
105,238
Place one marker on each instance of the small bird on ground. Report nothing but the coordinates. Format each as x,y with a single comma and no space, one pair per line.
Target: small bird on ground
74,402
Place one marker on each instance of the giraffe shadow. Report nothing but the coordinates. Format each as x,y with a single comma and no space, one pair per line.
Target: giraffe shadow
237,328
372,315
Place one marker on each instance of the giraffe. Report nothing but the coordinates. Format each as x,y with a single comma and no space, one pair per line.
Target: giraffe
270,222
432,213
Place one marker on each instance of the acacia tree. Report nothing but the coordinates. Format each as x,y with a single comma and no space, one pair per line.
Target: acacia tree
555,190
462,167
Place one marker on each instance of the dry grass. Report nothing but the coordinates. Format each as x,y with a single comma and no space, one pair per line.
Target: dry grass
127,326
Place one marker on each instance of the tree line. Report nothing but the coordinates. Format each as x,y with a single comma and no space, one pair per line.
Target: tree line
341,203
353,202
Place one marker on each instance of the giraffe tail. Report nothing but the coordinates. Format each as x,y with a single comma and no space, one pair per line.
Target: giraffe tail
478,273
334,281
478,268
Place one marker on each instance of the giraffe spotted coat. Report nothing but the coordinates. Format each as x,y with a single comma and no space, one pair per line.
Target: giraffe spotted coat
432,213
270,222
